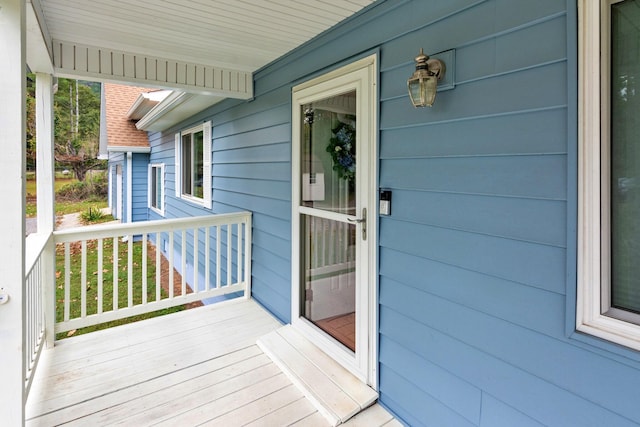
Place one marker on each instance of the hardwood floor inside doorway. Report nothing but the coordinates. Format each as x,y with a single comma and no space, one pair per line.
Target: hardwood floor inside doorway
342,328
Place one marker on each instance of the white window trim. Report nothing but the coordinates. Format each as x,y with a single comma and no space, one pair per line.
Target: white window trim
206,200
151,187
593,131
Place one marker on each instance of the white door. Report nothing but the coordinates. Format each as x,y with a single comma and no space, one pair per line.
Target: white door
334,226
119,189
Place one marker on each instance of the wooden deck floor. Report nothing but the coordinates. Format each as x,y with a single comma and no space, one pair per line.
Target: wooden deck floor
200,366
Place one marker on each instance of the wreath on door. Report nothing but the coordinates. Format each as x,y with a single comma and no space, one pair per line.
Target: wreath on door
342,147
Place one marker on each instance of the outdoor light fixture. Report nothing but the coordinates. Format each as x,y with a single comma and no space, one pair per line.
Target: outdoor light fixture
423,83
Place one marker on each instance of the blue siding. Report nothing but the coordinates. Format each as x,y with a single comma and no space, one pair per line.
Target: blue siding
140,163
477,260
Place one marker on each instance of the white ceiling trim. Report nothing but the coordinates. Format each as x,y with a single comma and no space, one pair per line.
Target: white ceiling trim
94,63
173,109
206,48
125,149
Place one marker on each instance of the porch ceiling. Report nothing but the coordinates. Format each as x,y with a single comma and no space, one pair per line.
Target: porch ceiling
237,37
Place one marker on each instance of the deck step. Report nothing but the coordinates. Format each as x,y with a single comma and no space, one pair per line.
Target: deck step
334,391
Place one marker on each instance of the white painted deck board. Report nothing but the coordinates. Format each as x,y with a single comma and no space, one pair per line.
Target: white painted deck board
125,370
335,392
200,366
364,396
286,415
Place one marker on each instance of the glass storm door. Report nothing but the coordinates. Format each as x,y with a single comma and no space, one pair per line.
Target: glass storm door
332,176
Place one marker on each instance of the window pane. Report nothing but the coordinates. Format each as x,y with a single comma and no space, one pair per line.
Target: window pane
198,163
329,292
154,187
186,164
328,154
159,196
625,156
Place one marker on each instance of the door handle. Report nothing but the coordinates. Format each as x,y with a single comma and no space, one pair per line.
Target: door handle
362,221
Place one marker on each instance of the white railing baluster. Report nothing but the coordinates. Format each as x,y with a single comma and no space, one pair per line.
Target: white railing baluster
29,327
247,257
144,268
116,273
207,258
218,258
158,268
83,280
194,287
195,259
171,254
100,289
130,272
183,281
229,253
239,252
67,280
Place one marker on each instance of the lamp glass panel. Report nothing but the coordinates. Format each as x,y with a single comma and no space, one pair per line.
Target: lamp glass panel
423,90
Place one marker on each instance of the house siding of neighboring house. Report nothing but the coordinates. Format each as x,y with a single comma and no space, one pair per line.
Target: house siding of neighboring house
139,166
476,265
124,145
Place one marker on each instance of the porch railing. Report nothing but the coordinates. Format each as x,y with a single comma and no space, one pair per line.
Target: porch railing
113,265
36,274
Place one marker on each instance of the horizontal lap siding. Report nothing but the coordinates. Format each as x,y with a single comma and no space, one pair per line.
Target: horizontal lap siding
251,170
473,260
478,221
139,188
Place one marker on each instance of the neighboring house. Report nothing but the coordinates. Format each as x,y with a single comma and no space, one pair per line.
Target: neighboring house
126,147
484,296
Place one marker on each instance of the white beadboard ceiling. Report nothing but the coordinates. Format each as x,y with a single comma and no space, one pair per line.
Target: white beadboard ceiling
240,35
205,50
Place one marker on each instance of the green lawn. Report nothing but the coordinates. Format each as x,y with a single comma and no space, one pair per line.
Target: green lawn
107,291
57,184
62,207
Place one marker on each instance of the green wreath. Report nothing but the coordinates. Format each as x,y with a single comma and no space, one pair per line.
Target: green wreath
342,147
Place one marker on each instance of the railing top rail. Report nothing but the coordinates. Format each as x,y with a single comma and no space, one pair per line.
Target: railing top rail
113,230
34,245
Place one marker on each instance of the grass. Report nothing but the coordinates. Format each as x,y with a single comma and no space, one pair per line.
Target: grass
62,207
107,287
57,184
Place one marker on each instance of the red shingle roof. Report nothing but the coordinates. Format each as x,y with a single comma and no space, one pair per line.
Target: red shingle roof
121,131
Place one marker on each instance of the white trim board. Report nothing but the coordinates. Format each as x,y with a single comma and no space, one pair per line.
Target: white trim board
335,392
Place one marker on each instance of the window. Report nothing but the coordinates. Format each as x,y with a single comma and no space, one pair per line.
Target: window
156,188
608,303
193,164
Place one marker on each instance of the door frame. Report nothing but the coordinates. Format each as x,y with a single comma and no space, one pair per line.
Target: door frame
364,363
119,188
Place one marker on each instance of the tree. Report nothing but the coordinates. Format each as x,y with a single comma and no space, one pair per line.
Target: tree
31,121
76,109
77,126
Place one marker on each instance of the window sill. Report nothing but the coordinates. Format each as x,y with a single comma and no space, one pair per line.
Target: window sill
158,211
613,330
193,200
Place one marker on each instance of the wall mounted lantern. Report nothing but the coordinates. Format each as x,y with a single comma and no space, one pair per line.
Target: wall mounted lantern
423,83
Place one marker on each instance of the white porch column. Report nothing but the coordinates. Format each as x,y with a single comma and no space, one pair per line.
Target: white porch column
45,196
44,152
12,214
